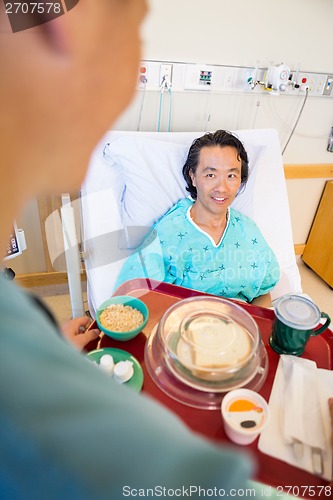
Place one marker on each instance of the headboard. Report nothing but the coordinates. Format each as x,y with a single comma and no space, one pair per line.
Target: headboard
135,177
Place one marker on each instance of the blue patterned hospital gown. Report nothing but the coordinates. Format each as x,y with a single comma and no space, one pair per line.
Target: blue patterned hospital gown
240,266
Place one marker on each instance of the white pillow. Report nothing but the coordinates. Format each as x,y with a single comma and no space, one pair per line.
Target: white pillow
151,171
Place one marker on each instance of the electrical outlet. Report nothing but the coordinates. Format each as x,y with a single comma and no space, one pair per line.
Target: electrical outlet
166,75
312,84
328,85
229,78
319,86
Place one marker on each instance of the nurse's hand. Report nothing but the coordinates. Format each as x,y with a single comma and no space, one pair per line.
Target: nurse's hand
75,331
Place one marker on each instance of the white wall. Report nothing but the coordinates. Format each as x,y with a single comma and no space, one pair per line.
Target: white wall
240,33
297,33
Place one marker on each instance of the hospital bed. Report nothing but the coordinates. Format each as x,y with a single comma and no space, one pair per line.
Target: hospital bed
135,177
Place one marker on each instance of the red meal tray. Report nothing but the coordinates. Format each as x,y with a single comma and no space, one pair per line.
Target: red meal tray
159,297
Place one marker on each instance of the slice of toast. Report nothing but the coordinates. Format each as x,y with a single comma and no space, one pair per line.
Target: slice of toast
210,342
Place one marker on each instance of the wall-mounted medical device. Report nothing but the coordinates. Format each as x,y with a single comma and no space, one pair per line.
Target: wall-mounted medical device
277,77
16,243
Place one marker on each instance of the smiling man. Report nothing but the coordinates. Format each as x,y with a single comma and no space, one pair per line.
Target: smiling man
202,243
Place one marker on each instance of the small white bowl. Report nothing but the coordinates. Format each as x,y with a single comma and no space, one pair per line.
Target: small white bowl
245,414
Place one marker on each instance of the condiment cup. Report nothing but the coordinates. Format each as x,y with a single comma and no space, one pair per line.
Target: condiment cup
245,414
123,371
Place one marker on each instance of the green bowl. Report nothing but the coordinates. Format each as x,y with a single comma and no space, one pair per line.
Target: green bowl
127,301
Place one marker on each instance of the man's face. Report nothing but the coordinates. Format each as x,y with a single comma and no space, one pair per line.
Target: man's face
217,178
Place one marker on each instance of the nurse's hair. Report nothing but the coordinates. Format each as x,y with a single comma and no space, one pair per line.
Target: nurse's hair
220,138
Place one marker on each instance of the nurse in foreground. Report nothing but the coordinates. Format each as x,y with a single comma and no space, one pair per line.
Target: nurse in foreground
67,430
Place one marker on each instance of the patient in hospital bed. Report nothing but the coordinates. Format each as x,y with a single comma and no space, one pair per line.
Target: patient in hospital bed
201,242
